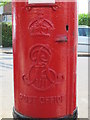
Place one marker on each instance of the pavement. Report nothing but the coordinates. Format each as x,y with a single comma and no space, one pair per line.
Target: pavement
82,86
6,84
6,50
10,51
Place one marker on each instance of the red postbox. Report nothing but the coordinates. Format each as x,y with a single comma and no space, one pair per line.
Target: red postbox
45,57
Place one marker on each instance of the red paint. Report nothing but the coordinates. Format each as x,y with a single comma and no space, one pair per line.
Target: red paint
45,53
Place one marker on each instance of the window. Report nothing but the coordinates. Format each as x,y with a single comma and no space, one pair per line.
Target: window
84,32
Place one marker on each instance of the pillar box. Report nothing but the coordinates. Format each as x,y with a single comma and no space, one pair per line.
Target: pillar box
45,57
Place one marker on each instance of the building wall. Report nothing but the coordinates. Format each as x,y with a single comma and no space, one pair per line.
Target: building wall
8,8
7,13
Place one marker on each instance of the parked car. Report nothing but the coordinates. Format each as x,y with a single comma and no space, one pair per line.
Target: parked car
84,39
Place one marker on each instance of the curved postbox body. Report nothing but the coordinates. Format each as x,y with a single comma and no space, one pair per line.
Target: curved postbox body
45,55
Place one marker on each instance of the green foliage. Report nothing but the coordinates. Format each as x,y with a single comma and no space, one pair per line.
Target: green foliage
89,20
6,34
84,19
4,2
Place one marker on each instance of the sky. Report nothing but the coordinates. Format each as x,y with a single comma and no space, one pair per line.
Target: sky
82,6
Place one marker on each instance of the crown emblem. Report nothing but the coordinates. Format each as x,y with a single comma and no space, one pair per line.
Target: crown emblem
41,26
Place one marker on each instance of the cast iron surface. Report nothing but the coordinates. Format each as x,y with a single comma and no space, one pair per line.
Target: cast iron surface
45,57
18,116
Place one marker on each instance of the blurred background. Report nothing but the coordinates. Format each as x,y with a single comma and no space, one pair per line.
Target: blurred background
83,22
6,59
